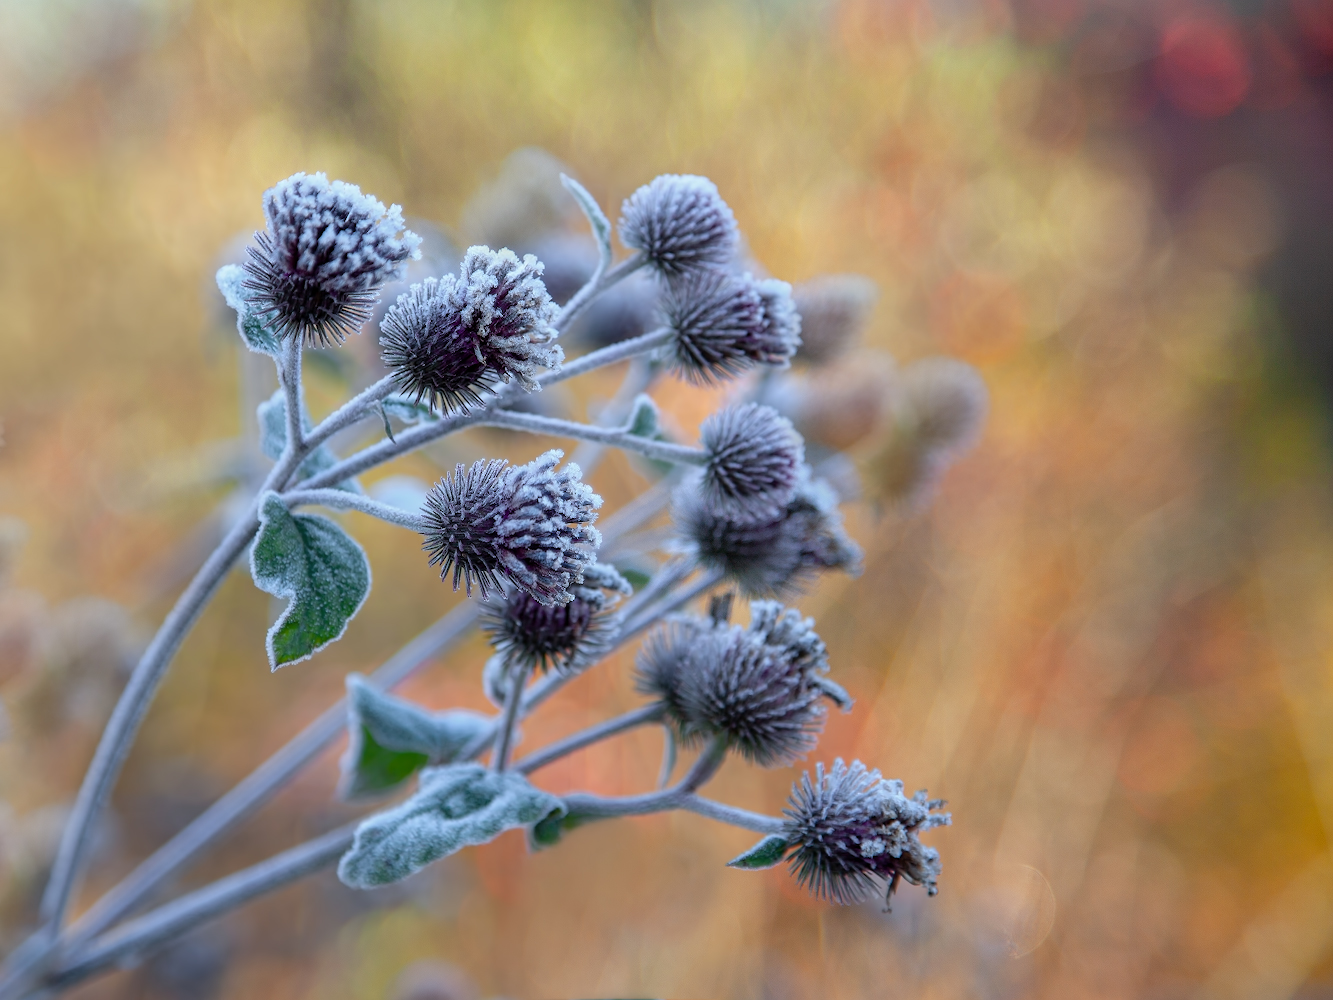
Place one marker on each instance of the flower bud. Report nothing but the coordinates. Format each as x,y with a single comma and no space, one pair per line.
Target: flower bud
755,459
725,323
317,269
834,309
680,223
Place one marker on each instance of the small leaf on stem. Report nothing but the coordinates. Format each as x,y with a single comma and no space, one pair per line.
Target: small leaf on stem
258,337
601,226
272,415
318,567
766,854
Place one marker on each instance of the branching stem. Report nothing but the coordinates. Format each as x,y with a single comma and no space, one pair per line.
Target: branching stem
552,752
617,437
345,500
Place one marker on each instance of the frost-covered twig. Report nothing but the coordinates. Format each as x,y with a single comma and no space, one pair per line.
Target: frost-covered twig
533,423
586,737
600,282
345,500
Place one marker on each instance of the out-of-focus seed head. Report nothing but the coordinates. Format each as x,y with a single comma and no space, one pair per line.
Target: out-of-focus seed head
755,459
774,553
680,223
726,323
760,687
529,524
939,407
838,405
522,203
855,834
834,309
447,341
565,636
317,268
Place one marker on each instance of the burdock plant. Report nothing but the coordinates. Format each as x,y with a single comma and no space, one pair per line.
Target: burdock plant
463,350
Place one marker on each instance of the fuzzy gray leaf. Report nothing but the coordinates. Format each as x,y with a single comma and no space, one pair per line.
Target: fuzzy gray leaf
601,226
765,854
456,806
644,419
272,415
318,567
258,337
389,738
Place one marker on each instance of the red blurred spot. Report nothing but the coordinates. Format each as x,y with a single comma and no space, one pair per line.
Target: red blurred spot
1202,66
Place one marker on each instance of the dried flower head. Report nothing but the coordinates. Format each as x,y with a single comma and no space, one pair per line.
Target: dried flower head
773,553
681,223
527,523
725,323
755,458
853,833
565,636
328,249
834,309
447,341
761,687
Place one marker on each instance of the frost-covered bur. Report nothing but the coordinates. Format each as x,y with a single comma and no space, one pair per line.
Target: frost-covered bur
680,223
938,411
447,341
855,834
834,309
755,459
725,323
316,270
760,687
775,552
528,633
528,524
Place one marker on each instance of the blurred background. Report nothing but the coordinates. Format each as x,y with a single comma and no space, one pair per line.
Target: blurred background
1106,641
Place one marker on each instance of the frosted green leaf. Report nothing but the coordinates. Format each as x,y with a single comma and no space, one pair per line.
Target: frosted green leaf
408,410
457,806
548,831
258,337
318,567
272,415
601,226
643,420
765,854
389,738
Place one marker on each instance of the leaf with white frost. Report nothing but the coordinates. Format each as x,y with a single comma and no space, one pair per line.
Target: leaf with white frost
457,806
272,414
601,225
318,567
257,336
768,853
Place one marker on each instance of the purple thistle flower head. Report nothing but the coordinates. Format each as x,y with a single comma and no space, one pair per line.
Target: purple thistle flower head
447,341
681,223
528,524
834,309
317,269
774,552
853,833
761,687
725,323
565,636
755,459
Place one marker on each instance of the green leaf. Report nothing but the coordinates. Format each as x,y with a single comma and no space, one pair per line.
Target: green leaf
318,567
408,410
456,806
768,852
389,738
258,337
548,831
643,420
601,225
272,415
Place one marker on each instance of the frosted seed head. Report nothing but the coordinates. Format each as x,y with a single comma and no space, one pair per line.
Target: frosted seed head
755,459
774,553
680,223
569,636
317,268
726,323
447,341
943,402
528,524
834,309
855,834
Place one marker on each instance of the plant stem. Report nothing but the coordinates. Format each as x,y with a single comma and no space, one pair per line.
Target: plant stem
504,738
351,411
700,586
346,500
536,424
610,354
600,282
180,915
289,373
637,379
260,785
586,737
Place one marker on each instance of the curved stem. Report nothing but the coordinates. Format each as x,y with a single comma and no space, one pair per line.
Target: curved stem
647,619
289,373
733,815
351,411
536,424
345,500
610,354
600,282
504,737
552,752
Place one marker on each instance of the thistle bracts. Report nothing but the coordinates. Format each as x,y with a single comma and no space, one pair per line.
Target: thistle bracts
725,324
316,270
755,459
680,223
528,524
447,341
